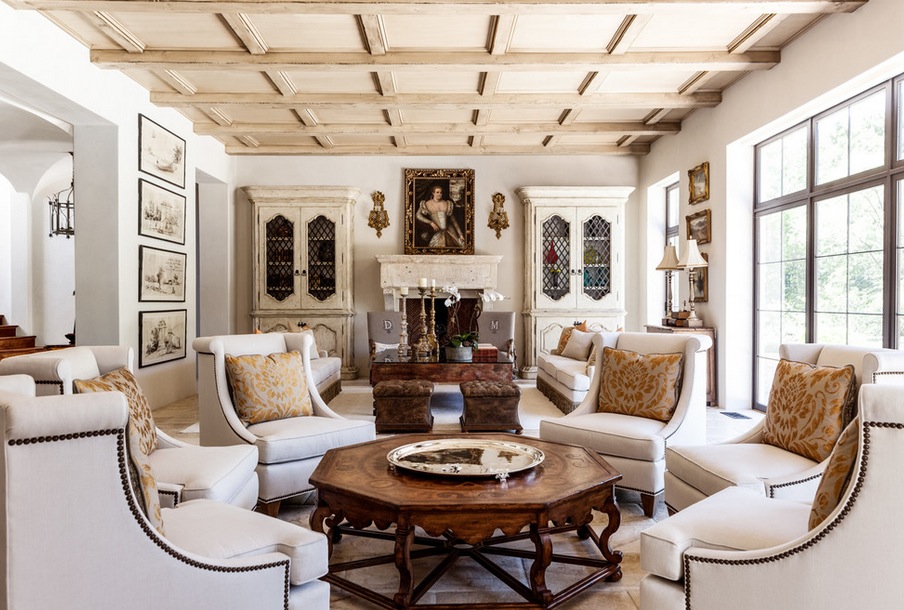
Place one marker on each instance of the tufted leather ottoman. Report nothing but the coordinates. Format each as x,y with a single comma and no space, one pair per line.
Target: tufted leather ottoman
403,406
490,406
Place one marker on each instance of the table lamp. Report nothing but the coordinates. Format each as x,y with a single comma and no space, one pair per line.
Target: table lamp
668,264
692,260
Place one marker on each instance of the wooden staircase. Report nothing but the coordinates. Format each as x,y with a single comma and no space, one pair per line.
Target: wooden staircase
12,344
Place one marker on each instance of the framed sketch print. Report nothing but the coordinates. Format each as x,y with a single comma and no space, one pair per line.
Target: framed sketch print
161,213
161,336
161,275
698,183
161,153
701,282
439,211
698,227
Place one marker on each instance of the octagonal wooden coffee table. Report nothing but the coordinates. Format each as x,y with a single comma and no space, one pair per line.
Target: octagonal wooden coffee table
359,488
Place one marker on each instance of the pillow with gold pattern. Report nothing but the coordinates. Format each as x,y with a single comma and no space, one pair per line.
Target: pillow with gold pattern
566,335
837,474
806,407
266,388
643,385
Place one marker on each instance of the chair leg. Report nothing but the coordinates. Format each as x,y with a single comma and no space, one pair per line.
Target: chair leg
648,503
268,508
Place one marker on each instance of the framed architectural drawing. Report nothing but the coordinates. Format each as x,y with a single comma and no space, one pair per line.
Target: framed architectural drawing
439,211
699,227
698,183
161,336
161,275
161,153
161,213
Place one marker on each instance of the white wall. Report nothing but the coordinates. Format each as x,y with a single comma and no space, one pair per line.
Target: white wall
386,174
842,55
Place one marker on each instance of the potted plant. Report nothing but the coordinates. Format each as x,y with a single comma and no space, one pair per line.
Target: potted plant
461,347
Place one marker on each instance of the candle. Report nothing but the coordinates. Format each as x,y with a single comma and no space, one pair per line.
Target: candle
422,282
403,291
433,283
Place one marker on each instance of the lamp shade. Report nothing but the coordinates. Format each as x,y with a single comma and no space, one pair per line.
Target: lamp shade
691,259
669,260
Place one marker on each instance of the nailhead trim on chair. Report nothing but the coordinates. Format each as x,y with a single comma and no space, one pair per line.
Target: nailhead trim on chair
139,516
59,384
772,488
219,402
852,499
174,494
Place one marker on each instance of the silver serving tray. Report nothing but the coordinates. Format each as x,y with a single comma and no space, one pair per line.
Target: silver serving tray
464,457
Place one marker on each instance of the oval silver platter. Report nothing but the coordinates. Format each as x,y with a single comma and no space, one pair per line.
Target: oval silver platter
463,457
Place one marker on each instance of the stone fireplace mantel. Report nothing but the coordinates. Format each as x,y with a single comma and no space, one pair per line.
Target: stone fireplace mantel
467,273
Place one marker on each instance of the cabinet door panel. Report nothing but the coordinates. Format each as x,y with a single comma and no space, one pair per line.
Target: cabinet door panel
279,259
556,259
598,278
323,251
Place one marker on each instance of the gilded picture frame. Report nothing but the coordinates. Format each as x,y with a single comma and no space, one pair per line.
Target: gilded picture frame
701,282
699,226
698,183
439,211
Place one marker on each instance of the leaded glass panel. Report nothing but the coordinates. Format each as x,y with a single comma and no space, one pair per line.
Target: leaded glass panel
597,275
321,258
556,257
280,253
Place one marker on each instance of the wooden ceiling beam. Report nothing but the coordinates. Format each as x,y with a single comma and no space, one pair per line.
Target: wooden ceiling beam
247,32
638,128
448,101
627,33
444,150
446,7
419,61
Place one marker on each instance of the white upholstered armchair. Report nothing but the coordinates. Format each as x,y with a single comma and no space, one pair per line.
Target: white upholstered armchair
738,549
694,472
635,445
290,448
184,471
76,536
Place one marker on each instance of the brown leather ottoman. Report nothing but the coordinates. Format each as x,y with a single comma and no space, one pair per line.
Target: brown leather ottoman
490,406
403,406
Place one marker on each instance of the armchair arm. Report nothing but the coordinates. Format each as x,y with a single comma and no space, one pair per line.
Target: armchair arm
320,408
18,384
165,441
44,370
170,494
800,486
886,367
800,352
111,357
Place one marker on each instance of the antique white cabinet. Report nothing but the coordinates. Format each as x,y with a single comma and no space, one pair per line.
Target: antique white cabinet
303,242
575,239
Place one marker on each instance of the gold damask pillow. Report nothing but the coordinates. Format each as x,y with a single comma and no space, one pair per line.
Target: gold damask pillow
566,335
837,475
266,388
807,406
141,438
643,385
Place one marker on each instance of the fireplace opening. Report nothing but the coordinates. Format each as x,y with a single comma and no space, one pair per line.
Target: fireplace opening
468,311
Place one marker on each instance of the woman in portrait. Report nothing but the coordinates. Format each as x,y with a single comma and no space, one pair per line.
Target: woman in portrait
438,212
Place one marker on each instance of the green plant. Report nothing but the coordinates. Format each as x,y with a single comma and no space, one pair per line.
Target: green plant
468,339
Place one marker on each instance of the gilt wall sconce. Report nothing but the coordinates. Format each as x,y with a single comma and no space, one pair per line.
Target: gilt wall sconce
379,218
498,216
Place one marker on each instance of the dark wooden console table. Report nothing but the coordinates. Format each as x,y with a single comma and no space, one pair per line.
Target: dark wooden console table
387,367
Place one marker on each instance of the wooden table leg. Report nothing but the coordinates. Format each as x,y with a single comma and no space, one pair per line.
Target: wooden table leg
323,514
611,509
543,546
403,541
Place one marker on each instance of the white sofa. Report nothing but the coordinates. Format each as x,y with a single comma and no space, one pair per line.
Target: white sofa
564,381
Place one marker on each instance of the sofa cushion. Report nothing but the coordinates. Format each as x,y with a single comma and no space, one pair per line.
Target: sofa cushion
711,468
216,473
253,534
807,406
298,438
578,346
756,523
566,334
324,368
294,340
267,388
837,474
636,438
643,385
574,378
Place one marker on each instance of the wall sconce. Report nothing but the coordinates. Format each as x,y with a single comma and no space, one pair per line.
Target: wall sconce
379,218
62,211
692,260
498,217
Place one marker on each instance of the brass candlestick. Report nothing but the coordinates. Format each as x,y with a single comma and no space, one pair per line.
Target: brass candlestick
404,348
422,347
434,344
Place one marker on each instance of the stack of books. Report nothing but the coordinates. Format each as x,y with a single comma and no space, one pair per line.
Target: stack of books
486,352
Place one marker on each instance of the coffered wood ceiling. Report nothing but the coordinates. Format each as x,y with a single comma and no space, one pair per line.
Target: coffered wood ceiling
444,77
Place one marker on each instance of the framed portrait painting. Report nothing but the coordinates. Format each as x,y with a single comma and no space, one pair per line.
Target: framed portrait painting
701,282
698,183
698,227
161,275
161,153
161,213
439,211
161,336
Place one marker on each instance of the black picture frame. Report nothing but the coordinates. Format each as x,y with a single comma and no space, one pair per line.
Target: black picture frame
161,275
161,336
161,153
161,212
425,235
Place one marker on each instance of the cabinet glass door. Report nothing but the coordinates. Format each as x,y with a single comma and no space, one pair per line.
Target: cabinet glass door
279,236
321,272
556,257
597,270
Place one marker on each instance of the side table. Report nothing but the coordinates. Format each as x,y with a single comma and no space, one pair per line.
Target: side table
712,394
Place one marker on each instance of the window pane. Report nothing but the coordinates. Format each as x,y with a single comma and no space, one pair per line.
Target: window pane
832,147
900,120
770,166
832,226
865,330
868,133
865,288
671,207
831,284
769,236
831,328
794,233
794,161
794,327
795,286
770,286
867,219
765,374
770,333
